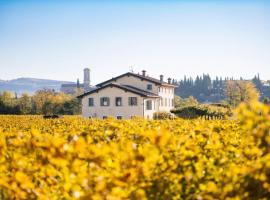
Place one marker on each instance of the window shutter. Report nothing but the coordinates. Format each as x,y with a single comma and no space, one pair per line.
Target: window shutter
129,101
101,101
108,100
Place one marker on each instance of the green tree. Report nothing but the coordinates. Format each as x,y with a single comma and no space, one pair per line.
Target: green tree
25,104
181,102
8,98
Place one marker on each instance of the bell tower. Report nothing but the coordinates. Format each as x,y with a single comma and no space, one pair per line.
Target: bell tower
86,79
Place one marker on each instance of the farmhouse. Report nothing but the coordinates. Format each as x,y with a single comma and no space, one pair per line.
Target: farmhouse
128,95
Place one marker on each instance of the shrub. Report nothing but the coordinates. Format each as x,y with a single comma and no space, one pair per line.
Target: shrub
163,115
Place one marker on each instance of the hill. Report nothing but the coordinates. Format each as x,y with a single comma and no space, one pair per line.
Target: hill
30,85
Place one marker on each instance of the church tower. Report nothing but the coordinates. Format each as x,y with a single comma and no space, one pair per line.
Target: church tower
86,79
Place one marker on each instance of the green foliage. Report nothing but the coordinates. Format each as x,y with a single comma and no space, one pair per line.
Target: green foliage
184,102
266,100
45,102
209,111
163,115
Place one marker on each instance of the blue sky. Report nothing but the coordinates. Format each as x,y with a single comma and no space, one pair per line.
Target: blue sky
57,39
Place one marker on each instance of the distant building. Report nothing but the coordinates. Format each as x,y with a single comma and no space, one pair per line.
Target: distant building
128,95
75,87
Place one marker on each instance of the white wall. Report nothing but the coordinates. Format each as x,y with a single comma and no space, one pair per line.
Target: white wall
125,111
136,82
166,94
148,114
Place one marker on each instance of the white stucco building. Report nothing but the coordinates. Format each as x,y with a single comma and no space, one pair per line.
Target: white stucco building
129,95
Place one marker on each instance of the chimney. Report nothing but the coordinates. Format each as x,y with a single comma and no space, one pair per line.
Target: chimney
143,72
161,78
169,80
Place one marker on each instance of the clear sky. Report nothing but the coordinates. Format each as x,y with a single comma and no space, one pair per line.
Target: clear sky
57,39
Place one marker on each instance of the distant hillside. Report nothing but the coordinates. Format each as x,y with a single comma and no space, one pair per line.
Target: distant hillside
30,85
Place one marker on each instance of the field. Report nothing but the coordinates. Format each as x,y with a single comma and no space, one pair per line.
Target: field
75,158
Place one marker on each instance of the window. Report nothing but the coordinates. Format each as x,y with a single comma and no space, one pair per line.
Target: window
161,100
105,117
132,101
149,105
104,101
119,117
149,87
91,102
118,101
165,101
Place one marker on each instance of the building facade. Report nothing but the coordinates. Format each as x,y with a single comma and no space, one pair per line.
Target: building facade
128,95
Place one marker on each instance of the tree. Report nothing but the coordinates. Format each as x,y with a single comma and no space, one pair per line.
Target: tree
266,100
180,102
39,99
240,91
25,104
7,98
177,101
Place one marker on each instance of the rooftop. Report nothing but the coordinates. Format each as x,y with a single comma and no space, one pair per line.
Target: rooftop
128,88
141,76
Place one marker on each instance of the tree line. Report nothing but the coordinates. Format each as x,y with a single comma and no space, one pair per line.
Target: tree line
235,92
46,102
206,89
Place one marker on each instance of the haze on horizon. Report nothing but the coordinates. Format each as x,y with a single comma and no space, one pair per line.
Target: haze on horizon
57,39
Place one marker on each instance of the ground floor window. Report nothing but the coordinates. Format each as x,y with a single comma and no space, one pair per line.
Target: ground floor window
119,117
105,117
149,105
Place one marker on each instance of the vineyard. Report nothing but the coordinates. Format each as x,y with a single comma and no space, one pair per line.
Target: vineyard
75,158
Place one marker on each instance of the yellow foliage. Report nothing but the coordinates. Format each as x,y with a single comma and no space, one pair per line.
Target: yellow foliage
75,158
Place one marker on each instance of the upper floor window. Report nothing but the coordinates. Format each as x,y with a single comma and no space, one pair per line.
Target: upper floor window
91,102
132,101
118,101
104,101
149,105
149,87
